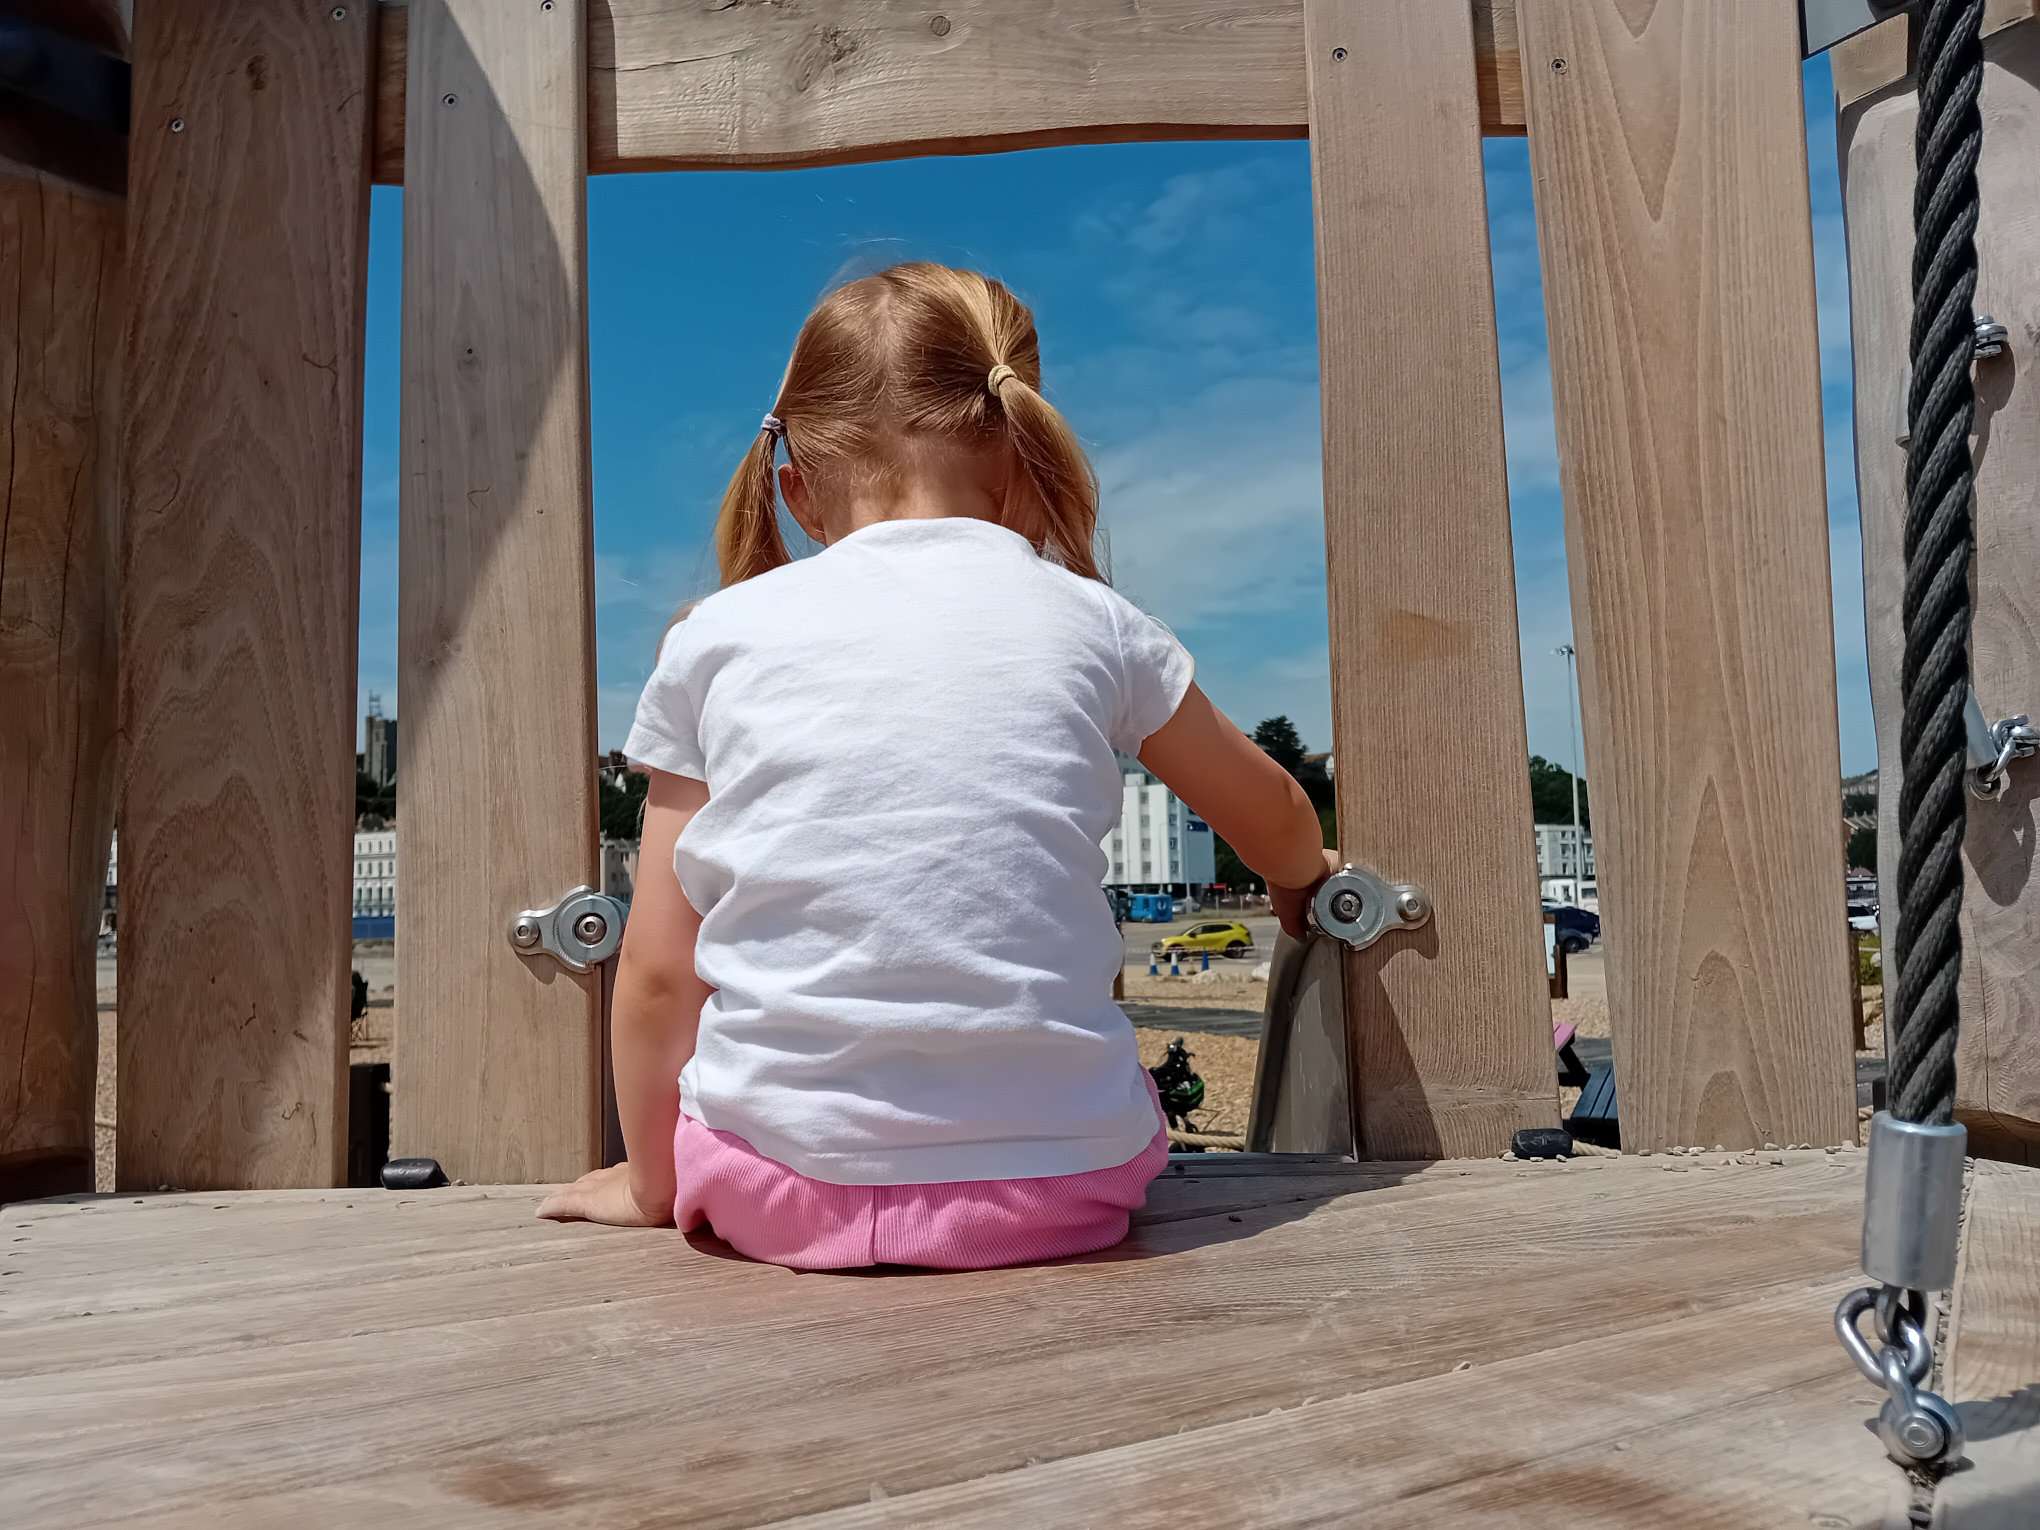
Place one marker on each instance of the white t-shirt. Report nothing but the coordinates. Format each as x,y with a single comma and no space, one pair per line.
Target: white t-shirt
907,741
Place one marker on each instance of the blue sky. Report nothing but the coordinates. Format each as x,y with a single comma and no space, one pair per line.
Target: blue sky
1173,287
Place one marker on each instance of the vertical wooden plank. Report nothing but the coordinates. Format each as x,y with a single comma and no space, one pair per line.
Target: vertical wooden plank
60,315
1997,1060
1450,1029
498,1056
1668,146
248,241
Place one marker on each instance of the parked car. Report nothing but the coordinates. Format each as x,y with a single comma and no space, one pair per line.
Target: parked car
1228,936
1863,914
1575,928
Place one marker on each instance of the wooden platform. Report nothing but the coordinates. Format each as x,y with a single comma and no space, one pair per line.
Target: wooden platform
1638,1342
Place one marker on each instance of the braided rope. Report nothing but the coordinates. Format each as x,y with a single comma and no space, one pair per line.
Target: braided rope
1939,480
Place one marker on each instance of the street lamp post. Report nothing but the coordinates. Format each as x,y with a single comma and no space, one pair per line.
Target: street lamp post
1565,651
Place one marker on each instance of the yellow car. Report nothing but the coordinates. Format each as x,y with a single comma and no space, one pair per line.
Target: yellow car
1228,937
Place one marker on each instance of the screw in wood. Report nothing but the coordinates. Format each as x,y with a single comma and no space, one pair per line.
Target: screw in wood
1558,66
176,124
339,13
449,99
1338,55
939,25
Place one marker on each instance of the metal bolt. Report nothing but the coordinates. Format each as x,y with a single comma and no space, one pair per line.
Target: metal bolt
545,5
1558,66
1346,906
449,99
1922,1436
590,928
339,13
1411,905
176,124
939,25
525,934
1338,55
1990,337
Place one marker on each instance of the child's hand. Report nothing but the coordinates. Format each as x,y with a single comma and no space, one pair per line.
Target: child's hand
603,1195
1292,904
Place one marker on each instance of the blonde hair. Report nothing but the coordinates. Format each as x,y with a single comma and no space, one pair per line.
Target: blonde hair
916,356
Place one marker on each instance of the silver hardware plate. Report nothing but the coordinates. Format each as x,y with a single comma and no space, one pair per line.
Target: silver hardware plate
580,932
1359,908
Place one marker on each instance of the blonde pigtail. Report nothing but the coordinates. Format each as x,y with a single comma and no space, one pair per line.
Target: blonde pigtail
1062,473
747,539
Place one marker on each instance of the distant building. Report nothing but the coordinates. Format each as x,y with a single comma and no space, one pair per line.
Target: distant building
375,874
1565,865
619,868
379,757
1158,845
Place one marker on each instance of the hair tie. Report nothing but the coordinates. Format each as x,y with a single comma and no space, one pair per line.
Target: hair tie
999,376
773,425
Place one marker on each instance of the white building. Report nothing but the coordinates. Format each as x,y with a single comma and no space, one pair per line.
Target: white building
375,871
1565,865
619,868
1159,845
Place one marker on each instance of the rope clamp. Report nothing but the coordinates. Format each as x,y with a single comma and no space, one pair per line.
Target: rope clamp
1992,748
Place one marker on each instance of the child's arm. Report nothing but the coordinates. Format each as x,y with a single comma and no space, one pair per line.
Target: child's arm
1252,803
654,1013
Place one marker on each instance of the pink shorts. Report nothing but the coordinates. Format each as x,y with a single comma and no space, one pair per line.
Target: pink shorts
765,1210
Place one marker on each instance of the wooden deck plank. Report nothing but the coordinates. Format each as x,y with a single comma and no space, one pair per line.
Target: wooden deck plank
674,85
1744,1415
1994,1367
1686,387
626,1353
498,1058
247,241
1449,1029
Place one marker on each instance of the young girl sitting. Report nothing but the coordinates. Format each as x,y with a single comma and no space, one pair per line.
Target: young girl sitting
869,937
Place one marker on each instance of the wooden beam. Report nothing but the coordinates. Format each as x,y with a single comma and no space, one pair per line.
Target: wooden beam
497,1063
248,236
676,85
1997,1060
1669,155
60,318
1881,56
1450,1029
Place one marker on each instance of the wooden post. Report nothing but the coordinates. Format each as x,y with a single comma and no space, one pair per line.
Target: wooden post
498,1055
1668,147
1997,1061
1450,1029
60,322
248,241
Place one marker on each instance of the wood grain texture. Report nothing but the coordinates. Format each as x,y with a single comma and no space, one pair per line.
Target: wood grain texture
1450,1027
675,85
444,1358
1998,1054
498,1060
1992,1372
248,234
61,307
1671,193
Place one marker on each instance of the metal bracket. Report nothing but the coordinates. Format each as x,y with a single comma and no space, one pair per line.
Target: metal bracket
1359,908
580,932
1992,748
